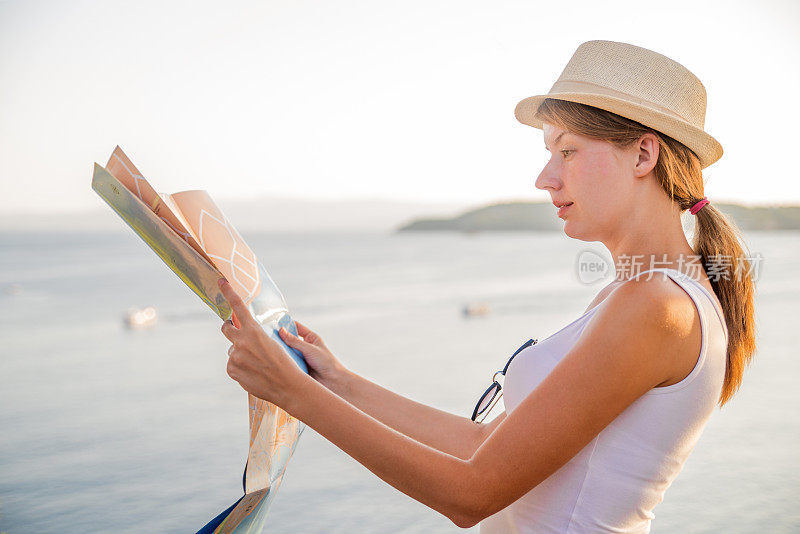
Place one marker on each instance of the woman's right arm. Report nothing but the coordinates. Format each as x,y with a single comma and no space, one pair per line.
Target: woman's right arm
450,433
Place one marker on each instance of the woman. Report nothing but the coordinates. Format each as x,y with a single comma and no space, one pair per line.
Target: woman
601,416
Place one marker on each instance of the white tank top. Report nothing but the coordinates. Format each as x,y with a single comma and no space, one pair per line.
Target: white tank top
614,483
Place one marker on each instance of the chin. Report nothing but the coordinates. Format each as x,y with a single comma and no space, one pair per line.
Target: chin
569,230
575,232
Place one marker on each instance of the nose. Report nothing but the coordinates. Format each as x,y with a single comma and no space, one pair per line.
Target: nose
548,178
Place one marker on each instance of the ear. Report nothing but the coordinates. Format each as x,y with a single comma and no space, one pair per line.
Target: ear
647,149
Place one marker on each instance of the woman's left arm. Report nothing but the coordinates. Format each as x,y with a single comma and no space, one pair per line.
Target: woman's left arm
605,372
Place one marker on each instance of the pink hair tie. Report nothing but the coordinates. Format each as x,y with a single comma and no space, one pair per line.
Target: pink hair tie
697,207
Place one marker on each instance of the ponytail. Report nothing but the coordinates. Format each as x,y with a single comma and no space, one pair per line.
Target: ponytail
731,273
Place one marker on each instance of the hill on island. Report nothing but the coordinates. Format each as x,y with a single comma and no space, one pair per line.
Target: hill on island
541,216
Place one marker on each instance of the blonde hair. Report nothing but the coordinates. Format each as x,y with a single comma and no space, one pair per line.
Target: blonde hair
680,175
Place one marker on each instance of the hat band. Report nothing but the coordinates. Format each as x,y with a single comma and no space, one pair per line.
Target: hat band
577,86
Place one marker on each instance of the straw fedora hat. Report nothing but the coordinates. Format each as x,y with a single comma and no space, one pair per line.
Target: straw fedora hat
638,84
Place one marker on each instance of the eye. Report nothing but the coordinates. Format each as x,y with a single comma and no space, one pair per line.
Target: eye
567,152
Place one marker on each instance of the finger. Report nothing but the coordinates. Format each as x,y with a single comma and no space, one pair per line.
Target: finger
236,322
302,329
232,370
236,357
237,304
309,335
296,342
230,331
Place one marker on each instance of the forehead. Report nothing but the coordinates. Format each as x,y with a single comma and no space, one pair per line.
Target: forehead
552,133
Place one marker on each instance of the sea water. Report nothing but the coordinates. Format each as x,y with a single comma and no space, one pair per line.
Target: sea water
104,429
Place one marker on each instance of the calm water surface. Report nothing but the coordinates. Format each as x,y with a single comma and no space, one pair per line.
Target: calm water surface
106,430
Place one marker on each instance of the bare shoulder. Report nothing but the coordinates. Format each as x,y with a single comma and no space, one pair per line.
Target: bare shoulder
645,334
655,315
656,301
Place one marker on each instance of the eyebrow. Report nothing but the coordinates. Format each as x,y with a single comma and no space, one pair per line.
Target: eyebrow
556,139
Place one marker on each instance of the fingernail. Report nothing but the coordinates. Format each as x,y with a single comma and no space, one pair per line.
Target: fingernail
221,282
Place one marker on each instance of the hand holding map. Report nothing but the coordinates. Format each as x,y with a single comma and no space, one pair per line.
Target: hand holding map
193,237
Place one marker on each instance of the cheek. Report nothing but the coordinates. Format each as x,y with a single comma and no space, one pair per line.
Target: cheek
603,167
597,184
594,178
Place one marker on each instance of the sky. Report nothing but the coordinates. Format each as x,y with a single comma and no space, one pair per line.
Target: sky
403,101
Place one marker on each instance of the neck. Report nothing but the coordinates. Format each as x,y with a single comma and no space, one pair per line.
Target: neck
652,238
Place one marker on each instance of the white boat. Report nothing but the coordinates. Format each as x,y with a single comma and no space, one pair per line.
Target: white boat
139,319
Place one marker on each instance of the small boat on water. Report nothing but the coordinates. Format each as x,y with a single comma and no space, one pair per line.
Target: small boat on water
139,319
13,290
476,309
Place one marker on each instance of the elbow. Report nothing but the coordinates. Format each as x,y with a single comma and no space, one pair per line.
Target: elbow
469,514
467,518
464,521
475,502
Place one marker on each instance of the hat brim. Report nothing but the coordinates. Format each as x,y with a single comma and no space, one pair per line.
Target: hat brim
707,148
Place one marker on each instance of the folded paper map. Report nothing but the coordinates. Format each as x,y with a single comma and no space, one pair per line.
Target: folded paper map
193,237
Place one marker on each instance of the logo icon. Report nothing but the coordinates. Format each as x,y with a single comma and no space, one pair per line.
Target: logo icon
591,267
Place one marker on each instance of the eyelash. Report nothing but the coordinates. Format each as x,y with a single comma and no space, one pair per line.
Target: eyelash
567,150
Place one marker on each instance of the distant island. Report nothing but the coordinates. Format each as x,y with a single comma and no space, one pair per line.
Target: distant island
541,217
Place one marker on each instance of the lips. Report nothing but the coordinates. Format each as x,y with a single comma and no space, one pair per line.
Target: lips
562,208
561,204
